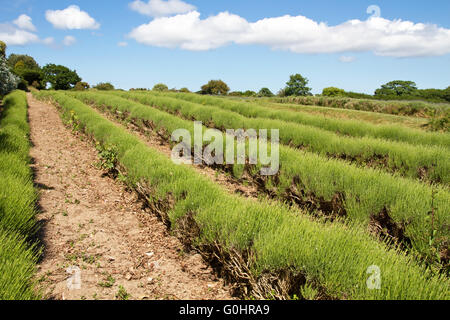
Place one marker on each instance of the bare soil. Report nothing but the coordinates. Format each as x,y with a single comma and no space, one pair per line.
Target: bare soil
93,224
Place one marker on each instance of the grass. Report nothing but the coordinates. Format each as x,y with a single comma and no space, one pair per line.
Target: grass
351,128
334,255
426,162
17,203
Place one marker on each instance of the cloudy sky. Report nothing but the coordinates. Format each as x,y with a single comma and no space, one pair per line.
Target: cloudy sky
353,44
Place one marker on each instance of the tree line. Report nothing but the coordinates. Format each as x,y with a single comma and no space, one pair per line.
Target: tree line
297,85
22,71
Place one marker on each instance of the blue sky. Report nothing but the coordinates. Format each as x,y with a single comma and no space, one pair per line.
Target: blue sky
244,63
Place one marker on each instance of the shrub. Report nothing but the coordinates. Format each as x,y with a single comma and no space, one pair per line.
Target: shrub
215,87
81,86
333,92
2,49
160,87
60,77
265,92
8,81
297,86
105,86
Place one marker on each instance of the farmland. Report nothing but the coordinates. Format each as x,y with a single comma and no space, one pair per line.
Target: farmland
234,160
309,219
321,221
300,178
418,161
410,108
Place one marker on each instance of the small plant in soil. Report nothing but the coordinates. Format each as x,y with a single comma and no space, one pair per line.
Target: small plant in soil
108,283
108,159
122,294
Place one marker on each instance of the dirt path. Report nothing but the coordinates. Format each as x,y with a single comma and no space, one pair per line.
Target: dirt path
93,224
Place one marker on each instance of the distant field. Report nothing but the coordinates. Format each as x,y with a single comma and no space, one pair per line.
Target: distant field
408,108
372,117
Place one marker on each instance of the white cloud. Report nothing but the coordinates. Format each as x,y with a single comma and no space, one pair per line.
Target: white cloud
160,8
298,34
122,44
18,33
347,59
69,40
71,18
50,41
13,36
24,22
189,32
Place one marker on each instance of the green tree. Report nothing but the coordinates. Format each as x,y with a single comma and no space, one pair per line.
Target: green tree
215,87
60,77
249,93
28,62
81,86
265,92
436,95
397,88
297,86
2,49
22,85
160,87
31,76
185,90
104,86
27,69
333,92
446,94
8,80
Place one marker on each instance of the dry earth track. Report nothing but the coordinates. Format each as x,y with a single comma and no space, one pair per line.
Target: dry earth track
94,223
